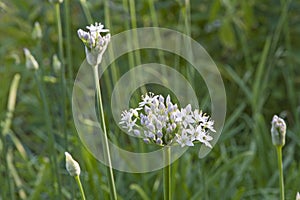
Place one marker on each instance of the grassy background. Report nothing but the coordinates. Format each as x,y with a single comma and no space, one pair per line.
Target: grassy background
256,47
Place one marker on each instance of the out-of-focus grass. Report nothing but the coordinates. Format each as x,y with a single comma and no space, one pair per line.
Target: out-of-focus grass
255,45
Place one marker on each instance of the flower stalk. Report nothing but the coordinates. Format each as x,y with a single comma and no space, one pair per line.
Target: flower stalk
80,187
62,71
278,132
106,147
167,174
158,121
280,169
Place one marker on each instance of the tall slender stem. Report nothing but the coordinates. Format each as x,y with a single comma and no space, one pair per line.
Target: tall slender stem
281,182
62,75
77,178
167,174
68,39
106,147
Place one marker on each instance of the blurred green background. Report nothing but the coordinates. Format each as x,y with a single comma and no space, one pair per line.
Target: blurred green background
256,46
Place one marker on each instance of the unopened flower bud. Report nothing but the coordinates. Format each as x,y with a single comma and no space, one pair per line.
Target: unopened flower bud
71,165
56,63
31,62
278,131
37,31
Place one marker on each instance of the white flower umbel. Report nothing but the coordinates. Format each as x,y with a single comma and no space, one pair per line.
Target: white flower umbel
157,120
95,43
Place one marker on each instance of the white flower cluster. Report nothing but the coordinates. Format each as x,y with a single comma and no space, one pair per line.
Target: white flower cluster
159,121
94,42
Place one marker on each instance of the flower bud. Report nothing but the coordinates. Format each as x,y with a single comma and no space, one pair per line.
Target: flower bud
56,64
71,165
37,31
31,62
278,131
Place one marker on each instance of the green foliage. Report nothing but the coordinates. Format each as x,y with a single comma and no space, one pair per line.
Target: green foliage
255,45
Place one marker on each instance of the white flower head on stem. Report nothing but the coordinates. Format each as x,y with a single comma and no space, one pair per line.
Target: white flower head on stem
158,121
278,131
95,43
71,165
298,196
31,62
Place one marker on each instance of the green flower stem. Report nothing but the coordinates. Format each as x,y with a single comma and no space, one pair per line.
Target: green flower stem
281,182
111,181
167,174
50,133
77,178
68,39
62,75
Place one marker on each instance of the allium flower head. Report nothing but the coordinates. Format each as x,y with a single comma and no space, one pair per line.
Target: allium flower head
157,120
95,43
71,165
278,131
31,62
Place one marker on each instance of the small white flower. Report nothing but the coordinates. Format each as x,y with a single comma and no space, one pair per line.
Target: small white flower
298,196
209,125
147,99
185,116
71,165
199,116
184,139
126,119
202,136
98,27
